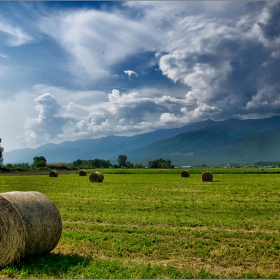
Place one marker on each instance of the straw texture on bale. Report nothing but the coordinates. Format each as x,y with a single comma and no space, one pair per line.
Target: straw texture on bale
53,173
82,173
185,174
30,224
207,176
96,176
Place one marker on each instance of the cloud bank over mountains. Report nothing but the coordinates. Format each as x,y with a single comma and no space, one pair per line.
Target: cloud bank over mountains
122,68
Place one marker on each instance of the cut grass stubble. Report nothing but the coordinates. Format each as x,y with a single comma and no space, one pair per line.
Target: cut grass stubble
159,226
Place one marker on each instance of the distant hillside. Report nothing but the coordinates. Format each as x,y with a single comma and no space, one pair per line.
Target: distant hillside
209,142
185,143
109,147
249,149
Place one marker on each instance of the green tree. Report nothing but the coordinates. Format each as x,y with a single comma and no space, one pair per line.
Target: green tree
1,153
92,163
138,165
122,161
129,164
39,161
160,163
167,163
77,162
151,164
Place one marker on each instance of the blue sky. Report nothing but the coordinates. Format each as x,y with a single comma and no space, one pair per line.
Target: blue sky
76,70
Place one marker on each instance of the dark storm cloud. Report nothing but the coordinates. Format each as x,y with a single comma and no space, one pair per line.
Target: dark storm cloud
236,70
271,26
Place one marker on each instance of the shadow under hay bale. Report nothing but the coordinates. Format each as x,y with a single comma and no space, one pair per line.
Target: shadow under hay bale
207,176
185,174
82,173
30,224
96,176
53,173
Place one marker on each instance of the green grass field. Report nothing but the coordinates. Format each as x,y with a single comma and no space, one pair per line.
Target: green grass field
155,224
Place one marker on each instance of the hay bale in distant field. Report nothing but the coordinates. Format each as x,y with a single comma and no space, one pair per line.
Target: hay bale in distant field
82,173
207,176
30,224
53,173
261,168
96,176
185,174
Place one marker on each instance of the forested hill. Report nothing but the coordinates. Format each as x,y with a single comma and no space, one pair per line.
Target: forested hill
209,142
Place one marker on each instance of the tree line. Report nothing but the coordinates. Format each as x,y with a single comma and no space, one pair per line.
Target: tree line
160,163
40,163
101,163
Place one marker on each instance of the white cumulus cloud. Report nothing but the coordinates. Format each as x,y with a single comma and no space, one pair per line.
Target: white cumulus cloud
130,73
49,123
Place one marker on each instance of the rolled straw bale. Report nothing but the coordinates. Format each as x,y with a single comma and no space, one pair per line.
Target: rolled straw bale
207,176
53,173
82,173
30,224
96,176
185,174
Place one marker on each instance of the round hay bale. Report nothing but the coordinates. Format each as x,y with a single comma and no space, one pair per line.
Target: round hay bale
207,176
185,174
96,176
30,224
82,173
53,173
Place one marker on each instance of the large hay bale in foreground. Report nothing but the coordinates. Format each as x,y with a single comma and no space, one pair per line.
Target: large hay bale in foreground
30,224
96,176
53,173
207,176
82,173
185,174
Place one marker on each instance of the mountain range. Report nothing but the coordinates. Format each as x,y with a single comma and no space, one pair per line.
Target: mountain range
206,142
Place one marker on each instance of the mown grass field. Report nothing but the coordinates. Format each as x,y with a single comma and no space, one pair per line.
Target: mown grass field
155,224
